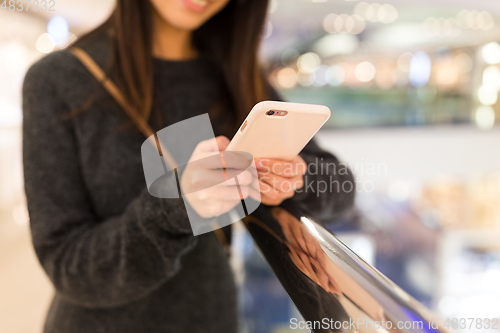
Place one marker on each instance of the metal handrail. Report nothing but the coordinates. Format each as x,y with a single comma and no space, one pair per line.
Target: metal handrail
333,288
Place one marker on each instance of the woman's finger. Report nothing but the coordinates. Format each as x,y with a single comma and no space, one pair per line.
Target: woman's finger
268,190
212,145
223,193
292,168
202,178
228,160
279,183
222,142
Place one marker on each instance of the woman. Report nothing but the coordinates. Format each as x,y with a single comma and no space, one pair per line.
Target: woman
120,259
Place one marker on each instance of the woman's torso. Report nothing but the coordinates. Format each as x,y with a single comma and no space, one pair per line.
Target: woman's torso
202,295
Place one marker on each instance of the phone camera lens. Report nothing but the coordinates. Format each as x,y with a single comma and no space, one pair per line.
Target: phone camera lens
270,113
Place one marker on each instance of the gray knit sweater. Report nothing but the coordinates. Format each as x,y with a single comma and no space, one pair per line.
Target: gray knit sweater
120,259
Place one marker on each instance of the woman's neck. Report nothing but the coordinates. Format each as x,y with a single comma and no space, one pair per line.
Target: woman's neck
170,43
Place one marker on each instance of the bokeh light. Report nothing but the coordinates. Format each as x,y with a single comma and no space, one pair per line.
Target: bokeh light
329,23
287,77
442,27
473,19
491,77
487,95
336,44
365,71
491,53
45,43
344,23
385,76
308,62
484,117
420,69
446,75
58,28
375,12
268,30
387,13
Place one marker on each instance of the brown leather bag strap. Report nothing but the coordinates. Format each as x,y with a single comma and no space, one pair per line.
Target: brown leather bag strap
116,93
135,116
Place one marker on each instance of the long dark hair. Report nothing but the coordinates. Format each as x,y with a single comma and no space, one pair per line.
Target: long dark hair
230,40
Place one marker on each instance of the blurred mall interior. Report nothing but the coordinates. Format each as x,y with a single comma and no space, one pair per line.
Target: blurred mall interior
413,88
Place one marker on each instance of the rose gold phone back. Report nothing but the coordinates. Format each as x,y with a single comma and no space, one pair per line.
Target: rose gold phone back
280,137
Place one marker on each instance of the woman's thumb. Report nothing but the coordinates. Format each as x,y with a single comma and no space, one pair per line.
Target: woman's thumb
222,142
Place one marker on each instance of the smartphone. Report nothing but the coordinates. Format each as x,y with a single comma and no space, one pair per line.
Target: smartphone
279,130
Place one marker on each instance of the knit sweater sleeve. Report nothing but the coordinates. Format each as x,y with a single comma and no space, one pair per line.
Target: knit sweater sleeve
92,262
329,186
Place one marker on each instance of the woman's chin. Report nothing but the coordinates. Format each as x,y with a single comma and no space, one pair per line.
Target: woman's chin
185,23
187,14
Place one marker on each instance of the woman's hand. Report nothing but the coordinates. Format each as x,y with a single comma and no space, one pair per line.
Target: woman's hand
203,181
278,180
